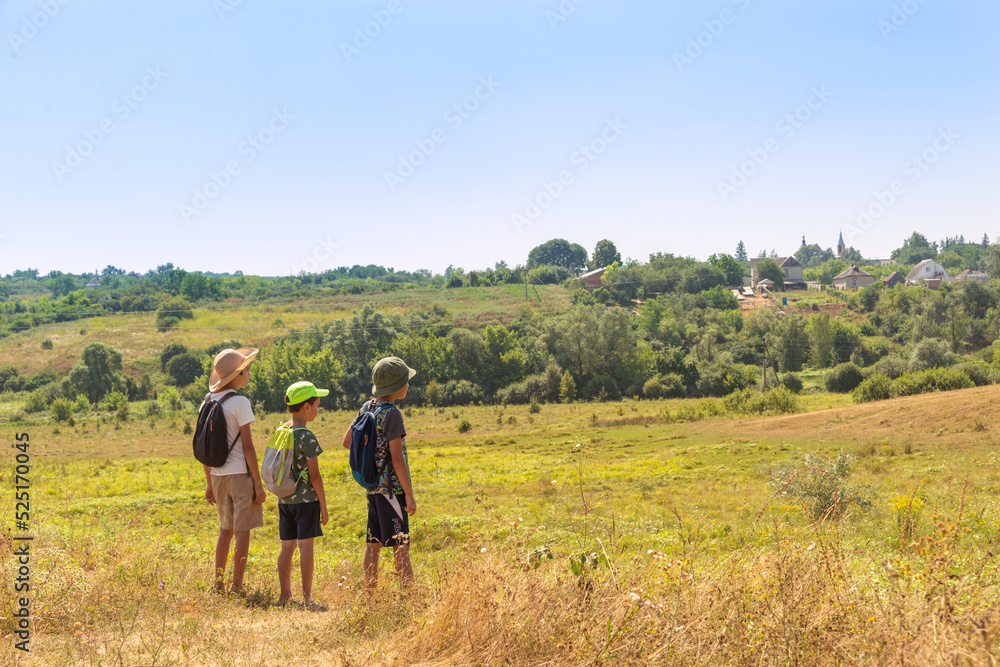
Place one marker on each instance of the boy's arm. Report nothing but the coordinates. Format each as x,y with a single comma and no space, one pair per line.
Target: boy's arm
347,436
403,473
209,491
251,456
317,483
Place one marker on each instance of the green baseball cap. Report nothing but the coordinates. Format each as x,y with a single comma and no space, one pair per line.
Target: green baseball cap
389,376
303,391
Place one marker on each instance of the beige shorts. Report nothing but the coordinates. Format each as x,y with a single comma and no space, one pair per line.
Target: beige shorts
234,498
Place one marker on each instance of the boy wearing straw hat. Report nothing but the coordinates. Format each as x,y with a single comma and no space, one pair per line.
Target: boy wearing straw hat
235,487
391,503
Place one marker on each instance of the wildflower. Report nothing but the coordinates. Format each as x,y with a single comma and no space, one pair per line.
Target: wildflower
483,550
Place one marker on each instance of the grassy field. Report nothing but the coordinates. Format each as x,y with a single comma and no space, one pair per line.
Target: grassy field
607,533
138,339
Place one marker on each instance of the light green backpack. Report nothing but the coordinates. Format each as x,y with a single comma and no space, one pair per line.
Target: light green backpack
276,470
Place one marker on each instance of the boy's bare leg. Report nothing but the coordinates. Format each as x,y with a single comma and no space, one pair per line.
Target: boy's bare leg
401,554
221,555
372,552
285,570
240,552
306,568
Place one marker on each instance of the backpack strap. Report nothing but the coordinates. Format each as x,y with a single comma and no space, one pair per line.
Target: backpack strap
220,401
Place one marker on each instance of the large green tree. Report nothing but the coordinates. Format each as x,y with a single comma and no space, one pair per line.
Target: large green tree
768,268
730,266
97,373
559,252
812,255
605,254
915,249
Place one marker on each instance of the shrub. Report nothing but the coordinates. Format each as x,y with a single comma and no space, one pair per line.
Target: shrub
36,402
464,426
777,401
47,344
458,392
602,388
932,379
170,351
667,385
930,353
792,382
82,403
184,369
62,409
171,398
534,408
113,401
877,387
843,378
891,367
821,486
152,409
979,372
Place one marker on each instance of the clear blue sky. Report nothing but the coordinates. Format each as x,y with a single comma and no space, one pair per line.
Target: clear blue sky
114,116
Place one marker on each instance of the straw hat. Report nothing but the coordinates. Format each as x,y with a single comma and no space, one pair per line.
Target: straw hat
228,364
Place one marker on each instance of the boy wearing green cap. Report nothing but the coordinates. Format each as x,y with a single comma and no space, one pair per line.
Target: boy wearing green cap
301,513
391,503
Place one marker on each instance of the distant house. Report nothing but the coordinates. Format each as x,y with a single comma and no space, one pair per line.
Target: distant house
970,274
789,265
94,283
593,278
894,279
927,270
853,278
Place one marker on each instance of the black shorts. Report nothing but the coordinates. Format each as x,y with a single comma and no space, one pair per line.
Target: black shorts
388,522
299,521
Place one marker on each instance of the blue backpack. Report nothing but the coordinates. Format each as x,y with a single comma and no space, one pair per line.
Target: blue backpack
364,438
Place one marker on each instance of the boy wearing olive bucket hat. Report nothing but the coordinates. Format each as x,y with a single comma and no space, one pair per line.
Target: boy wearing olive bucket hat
391,503
235,487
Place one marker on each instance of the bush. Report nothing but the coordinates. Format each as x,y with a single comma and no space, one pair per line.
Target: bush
152,409
62,409
36,402
459,392
171,398
777,401
821,486
932,379
668,385
791,382
843,378
113,401
534,408
170,351
891,367
877,387
82,403
930,353
464,426
980,373
602,388
184,369
47,344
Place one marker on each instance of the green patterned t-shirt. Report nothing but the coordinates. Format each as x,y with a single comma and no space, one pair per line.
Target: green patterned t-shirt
306,446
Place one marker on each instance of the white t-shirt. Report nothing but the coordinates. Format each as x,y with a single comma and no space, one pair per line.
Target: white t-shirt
238,413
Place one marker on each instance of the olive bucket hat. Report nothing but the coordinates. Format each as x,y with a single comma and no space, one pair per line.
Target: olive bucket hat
389,376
